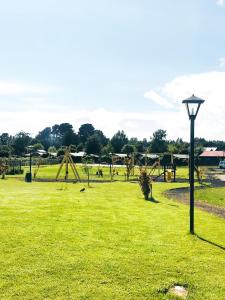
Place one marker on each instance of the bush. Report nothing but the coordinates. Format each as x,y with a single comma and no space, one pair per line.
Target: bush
145,183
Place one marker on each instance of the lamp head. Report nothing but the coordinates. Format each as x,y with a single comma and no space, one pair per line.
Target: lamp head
193,104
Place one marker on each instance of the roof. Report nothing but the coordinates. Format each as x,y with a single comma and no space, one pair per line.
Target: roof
181,156
121,155
149,155
78,154
213,154
210,148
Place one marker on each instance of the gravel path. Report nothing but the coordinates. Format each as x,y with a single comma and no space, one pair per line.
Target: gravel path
182,195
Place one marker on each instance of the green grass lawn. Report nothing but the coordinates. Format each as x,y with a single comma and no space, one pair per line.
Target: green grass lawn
214,196
50,171
105,243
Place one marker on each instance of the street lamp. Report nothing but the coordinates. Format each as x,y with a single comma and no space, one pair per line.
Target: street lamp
192,104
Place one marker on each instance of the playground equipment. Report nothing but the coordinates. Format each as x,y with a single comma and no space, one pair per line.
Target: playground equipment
38,164
127,160
167,166
68,161
87,161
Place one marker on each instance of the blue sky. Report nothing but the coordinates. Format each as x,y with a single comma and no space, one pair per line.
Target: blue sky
118,64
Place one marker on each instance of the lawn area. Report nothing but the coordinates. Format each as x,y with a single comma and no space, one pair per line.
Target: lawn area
50,171
105,243
214,196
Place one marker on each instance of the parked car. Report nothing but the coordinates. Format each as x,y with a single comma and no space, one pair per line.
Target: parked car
222,164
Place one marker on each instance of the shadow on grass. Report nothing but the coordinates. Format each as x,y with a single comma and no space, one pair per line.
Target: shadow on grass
210,242
174,205
152,199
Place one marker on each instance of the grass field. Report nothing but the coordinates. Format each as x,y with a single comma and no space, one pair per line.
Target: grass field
105,243
214,196
50,171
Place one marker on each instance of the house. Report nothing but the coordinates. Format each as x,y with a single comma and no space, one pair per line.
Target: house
211,157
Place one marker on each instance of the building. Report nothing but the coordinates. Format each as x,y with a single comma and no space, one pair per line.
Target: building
211,157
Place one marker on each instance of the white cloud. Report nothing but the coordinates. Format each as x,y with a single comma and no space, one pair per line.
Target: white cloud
209,86
38,112
222,62
220,2
152,95
135,124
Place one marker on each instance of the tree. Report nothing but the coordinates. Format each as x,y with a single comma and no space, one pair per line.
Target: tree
118,141
21,141
80,147
52,149
128,149
158,141
69,138
38,146
5,139
44,137
102,138
93,145
85,131
63,135
5,151
107,149
172,148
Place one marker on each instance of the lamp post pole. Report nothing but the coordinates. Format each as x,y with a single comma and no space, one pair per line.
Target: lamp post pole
192,165
30,162
192,104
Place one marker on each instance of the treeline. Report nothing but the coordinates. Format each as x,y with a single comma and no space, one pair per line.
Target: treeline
93,141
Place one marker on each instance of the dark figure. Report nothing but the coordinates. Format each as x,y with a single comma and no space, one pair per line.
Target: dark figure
82,190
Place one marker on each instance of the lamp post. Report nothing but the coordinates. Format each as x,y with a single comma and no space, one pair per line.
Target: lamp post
192,104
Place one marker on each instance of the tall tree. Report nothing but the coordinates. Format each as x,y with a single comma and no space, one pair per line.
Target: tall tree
44,137
5,139
21,141
93,145
158,141
102,138
85,131
63,134
128,149
118,141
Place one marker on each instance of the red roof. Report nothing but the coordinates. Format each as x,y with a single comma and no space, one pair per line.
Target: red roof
213,154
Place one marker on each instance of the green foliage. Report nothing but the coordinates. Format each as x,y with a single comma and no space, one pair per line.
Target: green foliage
80,147
93,145
145,183
38,146
20,142
128,149
85,131
44,137
52,149
118,141
61,151
158,142
106,150
5,151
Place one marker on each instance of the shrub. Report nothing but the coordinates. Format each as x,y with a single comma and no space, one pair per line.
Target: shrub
145,183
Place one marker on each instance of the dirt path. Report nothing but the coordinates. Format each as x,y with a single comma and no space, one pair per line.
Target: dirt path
182,195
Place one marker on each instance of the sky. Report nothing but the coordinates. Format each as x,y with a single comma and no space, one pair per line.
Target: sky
118,64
